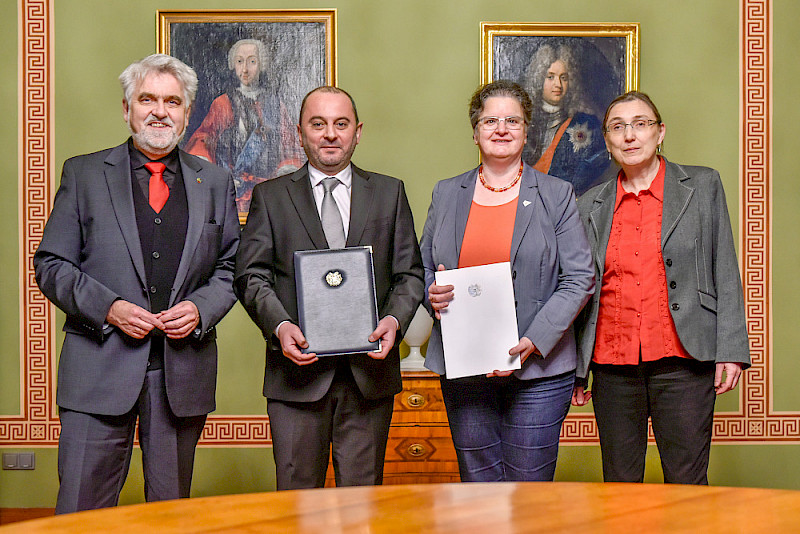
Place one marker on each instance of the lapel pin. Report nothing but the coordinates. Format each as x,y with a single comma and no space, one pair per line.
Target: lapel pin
525,203
199,180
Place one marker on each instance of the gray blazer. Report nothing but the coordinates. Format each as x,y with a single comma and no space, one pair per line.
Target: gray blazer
703,283
551,264
283,218
90,255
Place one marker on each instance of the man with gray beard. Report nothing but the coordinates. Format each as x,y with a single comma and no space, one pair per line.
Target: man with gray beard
138,252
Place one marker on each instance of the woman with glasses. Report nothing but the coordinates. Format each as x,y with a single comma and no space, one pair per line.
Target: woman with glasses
665,330
506,425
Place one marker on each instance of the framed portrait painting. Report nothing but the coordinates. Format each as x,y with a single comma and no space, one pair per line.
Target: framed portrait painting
254,68
571,72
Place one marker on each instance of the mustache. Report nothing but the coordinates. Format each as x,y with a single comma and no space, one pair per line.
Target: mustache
152,118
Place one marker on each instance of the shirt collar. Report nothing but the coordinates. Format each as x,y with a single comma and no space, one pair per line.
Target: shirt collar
656,189
345,176
139,160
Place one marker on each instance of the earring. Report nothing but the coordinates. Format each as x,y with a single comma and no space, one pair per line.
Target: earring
608,153
658,149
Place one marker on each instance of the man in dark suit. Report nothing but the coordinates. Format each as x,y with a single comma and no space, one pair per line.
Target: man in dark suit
139,254
345,401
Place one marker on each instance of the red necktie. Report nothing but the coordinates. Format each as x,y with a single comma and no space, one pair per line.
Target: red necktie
158,192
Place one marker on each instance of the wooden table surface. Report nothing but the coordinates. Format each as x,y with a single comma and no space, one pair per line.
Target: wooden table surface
496,508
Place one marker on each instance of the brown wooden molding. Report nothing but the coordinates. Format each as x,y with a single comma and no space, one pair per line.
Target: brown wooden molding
13,515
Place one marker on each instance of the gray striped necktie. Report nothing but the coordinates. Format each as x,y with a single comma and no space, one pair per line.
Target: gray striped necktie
331,218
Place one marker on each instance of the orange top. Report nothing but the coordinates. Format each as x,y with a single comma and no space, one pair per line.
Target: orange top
487,237
634,316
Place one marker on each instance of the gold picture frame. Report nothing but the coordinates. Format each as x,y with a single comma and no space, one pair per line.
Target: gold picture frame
571,71
244,115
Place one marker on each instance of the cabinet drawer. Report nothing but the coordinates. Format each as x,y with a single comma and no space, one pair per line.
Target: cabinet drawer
420,444
419,402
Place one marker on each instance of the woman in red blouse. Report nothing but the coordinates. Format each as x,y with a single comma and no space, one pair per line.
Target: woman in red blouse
665,331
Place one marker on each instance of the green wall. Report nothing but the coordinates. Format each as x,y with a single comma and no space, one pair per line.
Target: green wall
9,244
411,66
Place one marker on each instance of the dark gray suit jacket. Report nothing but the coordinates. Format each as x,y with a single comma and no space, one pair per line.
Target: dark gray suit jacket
551,264
703,282
90,255
283,218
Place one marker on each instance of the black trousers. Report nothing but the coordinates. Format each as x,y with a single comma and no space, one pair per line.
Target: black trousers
677,394
343,423
94,451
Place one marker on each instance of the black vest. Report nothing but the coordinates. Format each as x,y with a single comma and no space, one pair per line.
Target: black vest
162,236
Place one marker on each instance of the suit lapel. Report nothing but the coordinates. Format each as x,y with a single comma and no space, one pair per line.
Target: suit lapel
676,199
601,217
118,177
463,205
299,189
527,201
197,196
362,195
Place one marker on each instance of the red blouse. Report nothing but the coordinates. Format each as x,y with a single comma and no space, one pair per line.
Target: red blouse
634,316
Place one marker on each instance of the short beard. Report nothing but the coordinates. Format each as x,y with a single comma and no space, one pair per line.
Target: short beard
156,144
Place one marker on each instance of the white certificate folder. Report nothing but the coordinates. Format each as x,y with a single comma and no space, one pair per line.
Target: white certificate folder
479,325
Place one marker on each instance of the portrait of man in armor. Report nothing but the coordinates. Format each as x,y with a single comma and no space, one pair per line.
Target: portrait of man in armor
253,70
247,128
571,80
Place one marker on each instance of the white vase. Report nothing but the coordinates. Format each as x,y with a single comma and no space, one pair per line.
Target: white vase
417,334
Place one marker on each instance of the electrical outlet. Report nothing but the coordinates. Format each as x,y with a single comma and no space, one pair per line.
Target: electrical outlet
10,460
19,460
26,460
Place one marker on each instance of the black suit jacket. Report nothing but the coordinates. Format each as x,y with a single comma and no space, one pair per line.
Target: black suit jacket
90,255
283,218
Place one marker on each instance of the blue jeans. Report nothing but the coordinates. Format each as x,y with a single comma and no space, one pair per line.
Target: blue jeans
505,428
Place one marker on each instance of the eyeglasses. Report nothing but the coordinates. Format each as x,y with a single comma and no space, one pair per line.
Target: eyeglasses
491,123
638,126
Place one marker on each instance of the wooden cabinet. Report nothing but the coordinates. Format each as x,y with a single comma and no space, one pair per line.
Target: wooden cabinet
420,449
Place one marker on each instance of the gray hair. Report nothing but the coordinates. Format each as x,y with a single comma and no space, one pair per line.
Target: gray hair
535,75
136,72
263,57
499,88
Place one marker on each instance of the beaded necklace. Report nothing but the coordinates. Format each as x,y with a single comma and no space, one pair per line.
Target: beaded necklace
499,189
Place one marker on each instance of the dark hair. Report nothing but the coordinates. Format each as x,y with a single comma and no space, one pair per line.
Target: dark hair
499,88
631,96
327,89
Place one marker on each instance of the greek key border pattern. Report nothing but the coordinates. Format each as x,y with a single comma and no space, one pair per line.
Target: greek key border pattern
756,212
37,423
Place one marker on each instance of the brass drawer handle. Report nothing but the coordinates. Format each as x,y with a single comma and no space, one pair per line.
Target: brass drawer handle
415,400
416,450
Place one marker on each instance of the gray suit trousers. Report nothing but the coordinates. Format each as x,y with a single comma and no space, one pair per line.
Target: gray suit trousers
343,424
94,451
